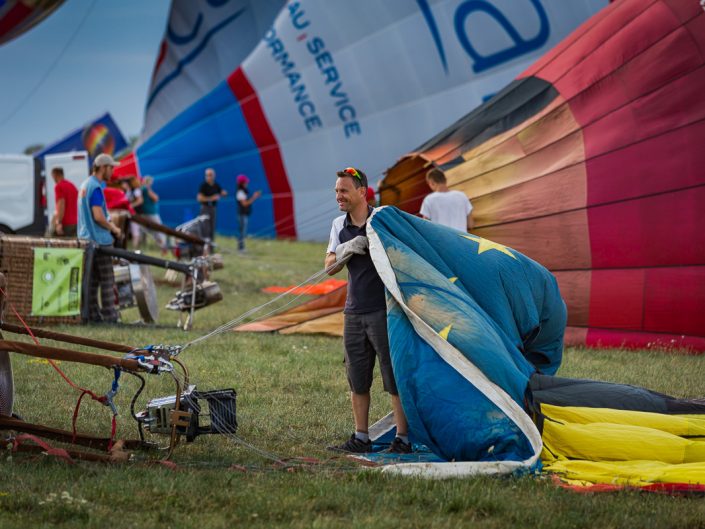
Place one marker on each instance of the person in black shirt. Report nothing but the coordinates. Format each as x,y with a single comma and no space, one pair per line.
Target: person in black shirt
365,327
208,195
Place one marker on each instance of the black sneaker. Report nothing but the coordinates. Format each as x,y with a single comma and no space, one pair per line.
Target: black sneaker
400,447
353,446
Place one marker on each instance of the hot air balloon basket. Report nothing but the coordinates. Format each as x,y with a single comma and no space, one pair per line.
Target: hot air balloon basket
17,262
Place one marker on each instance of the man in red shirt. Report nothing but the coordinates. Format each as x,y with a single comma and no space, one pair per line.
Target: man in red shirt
65,218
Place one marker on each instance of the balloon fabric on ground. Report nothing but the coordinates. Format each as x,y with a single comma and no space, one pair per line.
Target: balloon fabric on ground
324,287
451,316
469,324
334,84
591,163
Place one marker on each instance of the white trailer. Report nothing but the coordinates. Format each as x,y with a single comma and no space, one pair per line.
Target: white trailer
20,195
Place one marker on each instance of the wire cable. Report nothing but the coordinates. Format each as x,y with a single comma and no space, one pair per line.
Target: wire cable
314,279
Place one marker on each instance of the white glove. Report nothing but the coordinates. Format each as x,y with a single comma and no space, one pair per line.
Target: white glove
345,251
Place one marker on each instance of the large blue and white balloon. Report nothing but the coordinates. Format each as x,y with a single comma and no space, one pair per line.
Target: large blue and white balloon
328,84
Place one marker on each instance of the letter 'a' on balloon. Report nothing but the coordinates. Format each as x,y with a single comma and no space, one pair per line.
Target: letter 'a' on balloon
288,94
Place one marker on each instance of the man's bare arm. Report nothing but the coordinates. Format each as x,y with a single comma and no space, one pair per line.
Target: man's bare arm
59,213
250,200
330,261
207,198
105,223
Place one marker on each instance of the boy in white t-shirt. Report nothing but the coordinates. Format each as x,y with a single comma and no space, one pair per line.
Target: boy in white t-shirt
443,206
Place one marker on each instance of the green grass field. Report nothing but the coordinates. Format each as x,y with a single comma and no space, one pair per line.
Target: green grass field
293,401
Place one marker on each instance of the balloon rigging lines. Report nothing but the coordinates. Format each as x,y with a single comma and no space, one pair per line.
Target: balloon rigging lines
315,278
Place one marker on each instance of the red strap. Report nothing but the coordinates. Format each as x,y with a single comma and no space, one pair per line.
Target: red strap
51,362
56,452
168,464
75,416
662,488
84,391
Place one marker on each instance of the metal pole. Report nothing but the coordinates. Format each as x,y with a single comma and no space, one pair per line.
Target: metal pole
148,223
68,338
68,355
194,280
86,283
145,259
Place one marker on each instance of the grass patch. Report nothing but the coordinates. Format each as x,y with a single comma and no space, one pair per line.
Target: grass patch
292,400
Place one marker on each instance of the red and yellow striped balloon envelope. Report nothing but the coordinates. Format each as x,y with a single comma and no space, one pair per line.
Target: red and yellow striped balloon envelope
592,163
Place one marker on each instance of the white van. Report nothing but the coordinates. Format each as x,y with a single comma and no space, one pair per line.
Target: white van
20,195
76,170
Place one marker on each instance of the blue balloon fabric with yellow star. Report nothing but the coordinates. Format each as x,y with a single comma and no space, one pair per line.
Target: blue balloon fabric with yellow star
469,321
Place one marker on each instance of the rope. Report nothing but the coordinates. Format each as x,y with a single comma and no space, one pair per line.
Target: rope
75,416
51,362
225,430
183,381
48,449
174,437
314,279
106,400
134,401
222,428
284,463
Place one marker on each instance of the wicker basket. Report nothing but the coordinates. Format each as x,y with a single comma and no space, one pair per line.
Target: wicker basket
17,263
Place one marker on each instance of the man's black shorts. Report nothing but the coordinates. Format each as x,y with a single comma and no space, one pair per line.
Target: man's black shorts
364,337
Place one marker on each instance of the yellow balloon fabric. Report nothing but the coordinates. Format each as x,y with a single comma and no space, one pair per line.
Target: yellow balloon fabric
599,445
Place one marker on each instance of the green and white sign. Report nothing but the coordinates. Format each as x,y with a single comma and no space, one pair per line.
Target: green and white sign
56,285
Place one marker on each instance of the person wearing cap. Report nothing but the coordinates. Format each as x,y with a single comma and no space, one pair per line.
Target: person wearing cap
65,218
244,208
365,321
209,194
94,225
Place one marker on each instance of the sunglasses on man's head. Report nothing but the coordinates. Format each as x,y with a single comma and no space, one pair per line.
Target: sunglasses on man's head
353,172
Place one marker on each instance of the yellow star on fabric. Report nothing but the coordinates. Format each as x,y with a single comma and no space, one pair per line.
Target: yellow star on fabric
452,279
443,333
485,244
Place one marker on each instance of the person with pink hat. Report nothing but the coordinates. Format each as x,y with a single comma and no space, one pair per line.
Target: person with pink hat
244,208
